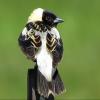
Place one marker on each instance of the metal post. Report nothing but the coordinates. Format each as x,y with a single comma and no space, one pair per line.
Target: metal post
32,93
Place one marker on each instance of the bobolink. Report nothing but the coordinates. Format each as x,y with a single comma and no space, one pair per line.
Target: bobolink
41,42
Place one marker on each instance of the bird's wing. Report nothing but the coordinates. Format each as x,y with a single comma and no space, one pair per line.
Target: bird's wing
26,45
58,52
57,48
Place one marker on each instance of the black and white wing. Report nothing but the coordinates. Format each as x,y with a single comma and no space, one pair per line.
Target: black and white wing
28,42
55,45
58,52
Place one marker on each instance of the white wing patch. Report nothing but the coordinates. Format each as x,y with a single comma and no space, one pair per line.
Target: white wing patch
55,32
24,32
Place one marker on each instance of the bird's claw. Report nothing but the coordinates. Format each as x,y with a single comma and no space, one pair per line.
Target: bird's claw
51,42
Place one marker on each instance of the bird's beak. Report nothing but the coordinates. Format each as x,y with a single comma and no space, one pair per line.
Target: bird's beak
58,20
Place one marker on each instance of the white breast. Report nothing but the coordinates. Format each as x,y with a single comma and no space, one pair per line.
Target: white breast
44,60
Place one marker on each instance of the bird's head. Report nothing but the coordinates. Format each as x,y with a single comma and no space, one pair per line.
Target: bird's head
45,17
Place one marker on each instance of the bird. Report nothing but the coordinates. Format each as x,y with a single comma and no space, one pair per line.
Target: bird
41,42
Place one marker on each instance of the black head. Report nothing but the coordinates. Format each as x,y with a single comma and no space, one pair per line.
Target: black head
50,19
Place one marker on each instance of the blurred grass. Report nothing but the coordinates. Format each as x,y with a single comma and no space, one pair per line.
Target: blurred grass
80,66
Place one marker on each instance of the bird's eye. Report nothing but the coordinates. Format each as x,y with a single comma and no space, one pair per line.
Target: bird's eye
49,19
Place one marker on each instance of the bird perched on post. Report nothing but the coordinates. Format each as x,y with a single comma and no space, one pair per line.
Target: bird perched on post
41,42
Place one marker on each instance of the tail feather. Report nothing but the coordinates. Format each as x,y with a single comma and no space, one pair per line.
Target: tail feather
58,86
42,85
46,88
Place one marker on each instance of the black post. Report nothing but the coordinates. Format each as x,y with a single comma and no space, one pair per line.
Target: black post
32,93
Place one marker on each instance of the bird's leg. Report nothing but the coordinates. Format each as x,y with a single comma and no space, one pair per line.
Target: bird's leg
36,39
51,42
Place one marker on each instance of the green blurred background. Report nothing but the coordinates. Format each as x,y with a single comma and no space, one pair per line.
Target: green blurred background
80,66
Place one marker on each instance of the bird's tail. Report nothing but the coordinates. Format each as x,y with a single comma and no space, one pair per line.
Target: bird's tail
45,88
